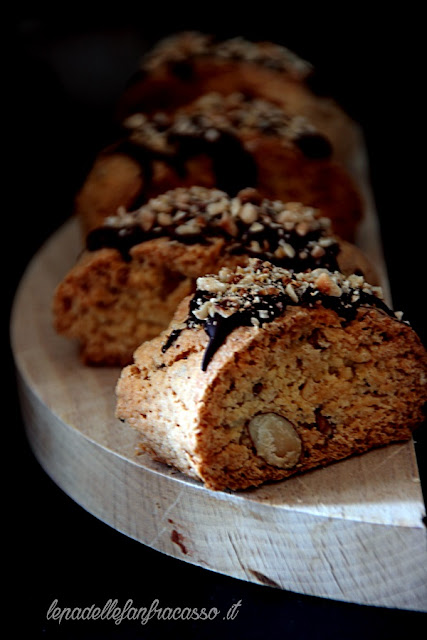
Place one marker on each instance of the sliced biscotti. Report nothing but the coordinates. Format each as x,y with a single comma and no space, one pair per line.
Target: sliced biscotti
265,373
183,66
138,266
227,142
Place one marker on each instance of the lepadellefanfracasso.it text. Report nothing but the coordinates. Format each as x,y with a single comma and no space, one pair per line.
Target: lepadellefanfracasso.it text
113,611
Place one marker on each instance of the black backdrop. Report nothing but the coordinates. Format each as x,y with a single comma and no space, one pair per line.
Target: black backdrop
68,67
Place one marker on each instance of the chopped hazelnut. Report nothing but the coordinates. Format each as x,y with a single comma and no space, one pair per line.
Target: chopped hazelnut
248,213
227,223
210,284
235,206
317,252
214,208
134,121
291,292
164,219
302,228
188,229
288,249
256,227
326,285
249,195
147,219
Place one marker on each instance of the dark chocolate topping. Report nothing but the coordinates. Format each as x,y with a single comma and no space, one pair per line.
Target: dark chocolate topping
261,292
289,235
314,145
233,167
214,126
122,239
182,69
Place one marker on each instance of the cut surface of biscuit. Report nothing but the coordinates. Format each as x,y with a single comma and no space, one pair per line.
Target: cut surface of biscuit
311,369
137,267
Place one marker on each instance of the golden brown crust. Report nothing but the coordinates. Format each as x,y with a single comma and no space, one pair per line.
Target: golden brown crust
344,389
110,306
114,181
351,259
285,174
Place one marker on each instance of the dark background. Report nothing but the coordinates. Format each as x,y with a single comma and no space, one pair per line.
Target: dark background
68,67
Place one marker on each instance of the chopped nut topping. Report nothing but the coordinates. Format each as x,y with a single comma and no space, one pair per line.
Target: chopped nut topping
261,292
317,251
256,226
212,115
213,285
264,290
325,284
187,45
248,213
291,292
189,228
249,224
164,219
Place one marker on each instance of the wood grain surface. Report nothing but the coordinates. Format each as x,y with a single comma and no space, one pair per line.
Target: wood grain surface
351,532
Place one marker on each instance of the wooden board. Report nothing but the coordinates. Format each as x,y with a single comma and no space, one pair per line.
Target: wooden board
351,532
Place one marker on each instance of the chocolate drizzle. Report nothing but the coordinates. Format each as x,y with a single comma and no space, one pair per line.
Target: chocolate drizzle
122,239
288,235
314,146
219,327
220,128
126,237
234,168
254,306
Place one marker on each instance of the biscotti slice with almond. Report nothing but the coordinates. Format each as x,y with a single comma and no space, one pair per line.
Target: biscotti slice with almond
139,265
265,373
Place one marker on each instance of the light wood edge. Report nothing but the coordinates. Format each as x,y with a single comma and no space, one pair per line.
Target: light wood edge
293,550
46,359
311,555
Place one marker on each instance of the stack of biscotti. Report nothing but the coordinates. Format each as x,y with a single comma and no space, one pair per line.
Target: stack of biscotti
265,373
220,271
139,265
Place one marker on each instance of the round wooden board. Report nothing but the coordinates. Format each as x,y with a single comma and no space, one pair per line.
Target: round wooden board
330,533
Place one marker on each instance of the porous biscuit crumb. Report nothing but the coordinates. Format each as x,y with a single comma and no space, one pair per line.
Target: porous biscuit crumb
281,395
